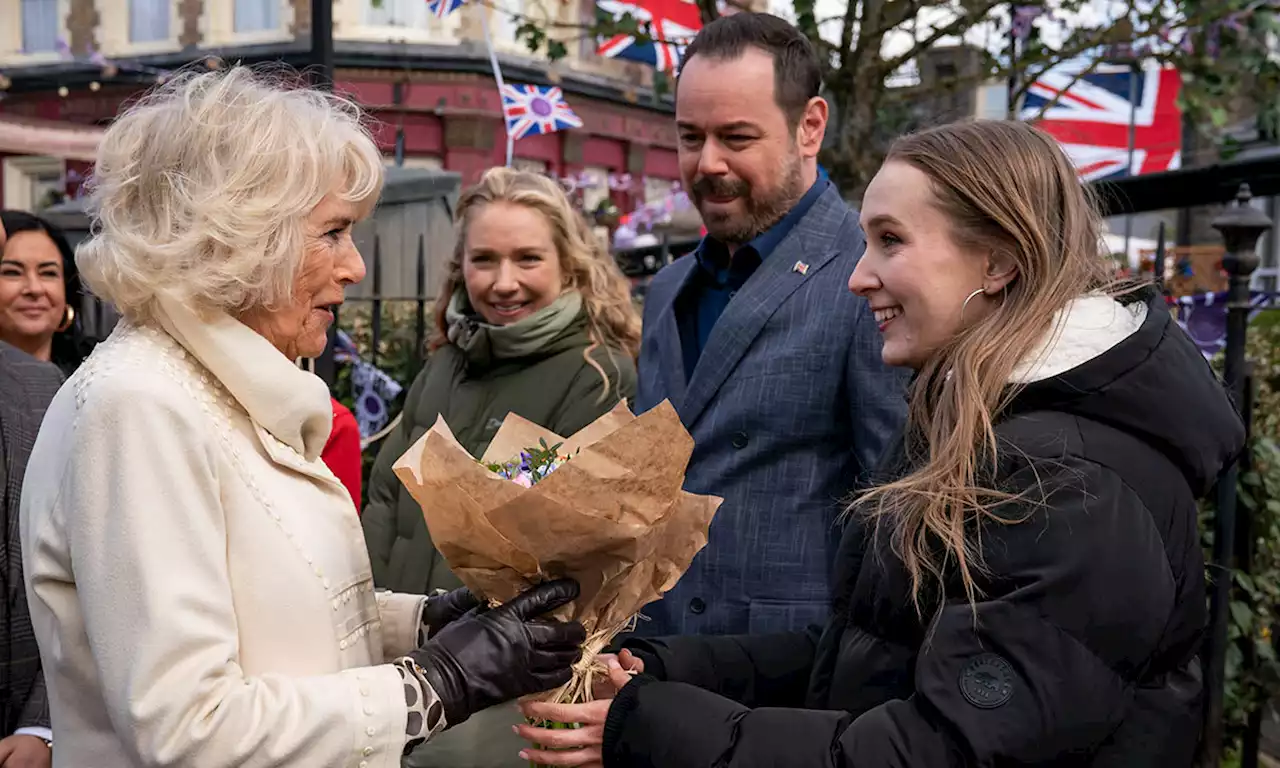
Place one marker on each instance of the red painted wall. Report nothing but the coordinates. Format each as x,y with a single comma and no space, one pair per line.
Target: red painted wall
423,130
662,163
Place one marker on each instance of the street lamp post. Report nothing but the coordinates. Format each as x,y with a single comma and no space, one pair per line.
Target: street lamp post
322,77
322,43
1241,225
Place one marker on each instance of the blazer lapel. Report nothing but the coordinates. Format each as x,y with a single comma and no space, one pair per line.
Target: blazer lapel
670,349
810,244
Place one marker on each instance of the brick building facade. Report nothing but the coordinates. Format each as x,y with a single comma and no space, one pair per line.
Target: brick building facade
72,63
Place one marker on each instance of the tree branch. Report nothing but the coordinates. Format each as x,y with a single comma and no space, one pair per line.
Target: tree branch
1057,98
964,19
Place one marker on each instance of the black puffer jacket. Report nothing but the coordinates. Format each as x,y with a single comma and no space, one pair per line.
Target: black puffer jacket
1083,648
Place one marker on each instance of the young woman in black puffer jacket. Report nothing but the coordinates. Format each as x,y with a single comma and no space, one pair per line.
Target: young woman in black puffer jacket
1026,586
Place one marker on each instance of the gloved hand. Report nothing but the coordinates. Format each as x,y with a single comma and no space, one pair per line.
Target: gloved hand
442,610
486,658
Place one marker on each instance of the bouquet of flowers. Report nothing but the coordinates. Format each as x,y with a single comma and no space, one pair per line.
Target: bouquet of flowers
533,465
604,506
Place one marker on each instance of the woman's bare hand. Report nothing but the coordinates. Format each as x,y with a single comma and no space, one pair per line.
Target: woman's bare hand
603,687
581,746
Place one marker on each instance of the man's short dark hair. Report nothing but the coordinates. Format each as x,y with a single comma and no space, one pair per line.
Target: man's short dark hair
797,74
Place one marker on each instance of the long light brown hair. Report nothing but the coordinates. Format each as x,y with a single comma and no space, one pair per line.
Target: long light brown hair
1007,189
586,263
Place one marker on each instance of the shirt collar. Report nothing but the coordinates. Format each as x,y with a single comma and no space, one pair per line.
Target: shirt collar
764,243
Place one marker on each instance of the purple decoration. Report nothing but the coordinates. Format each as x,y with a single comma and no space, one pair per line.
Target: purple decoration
1204,318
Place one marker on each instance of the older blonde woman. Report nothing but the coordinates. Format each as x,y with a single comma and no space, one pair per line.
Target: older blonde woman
198,580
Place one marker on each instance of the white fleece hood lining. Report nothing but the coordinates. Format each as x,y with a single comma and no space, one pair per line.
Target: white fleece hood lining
1082,331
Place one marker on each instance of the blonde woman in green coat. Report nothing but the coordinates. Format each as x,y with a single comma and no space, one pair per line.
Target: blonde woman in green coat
534,318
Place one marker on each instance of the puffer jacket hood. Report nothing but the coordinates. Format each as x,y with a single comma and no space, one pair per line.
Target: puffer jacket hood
1128,386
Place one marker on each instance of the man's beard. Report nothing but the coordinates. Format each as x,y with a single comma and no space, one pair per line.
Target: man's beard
762,210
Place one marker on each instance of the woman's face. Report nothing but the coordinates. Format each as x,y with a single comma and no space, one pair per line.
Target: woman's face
914,274
33,297
330,263
510,263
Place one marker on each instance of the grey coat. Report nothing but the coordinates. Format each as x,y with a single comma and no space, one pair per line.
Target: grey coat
26,387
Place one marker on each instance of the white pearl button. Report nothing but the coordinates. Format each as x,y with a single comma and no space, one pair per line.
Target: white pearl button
370,730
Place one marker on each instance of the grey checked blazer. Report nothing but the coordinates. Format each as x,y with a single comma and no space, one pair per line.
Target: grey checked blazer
26,387
789,407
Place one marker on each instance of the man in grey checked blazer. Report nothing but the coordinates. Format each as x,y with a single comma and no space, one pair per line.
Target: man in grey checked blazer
772,364
26,387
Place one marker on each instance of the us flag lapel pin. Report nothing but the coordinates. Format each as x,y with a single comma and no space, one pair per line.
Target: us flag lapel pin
801,267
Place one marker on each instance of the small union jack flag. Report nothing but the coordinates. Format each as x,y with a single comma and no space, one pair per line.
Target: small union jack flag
1090,118
535,109
442,8
674,24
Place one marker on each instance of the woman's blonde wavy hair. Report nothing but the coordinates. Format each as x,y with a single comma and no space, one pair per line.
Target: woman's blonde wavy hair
588,267
201,188
1008,190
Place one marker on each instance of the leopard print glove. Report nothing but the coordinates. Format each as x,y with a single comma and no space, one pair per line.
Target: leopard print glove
426,712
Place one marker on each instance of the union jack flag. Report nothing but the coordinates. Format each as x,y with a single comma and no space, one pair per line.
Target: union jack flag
674,23
442,8
1091,119
535,109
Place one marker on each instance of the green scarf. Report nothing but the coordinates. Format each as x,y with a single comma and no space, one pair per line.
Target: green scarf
484,344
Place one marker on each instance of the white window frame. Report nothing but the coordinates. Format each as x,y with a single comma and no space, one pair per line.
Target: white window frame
598,190
429,162
529,164
11,53
351,22
114,33
505,18
657,189
20,174
218,26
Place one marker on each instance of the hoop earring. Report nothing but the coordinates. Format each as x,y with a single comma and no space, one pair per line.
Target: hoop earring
67,320
967,299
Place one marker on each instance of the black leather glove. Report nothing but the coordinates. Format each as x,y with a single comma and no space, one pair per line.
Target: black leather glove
486,658
442,610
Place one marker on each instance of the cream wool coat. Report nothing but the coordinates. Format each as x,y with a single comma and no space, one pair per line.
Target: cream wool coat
198,579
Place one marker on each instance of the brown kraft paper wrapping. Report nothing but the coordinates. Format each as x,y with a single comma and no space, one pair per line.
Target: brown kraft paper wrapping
614,517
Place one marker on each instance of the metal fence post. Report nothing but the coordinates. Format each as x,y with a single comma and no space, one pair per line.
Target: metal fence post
1241,225
375,311
420,309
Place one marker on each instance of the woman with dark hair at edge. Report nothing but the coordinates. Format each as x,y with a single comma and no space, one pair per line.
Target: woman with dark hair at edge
1026,585
40,293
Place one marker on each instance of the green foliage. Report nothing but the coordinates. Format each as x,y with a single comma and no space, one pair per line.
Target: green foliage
1251,681
1231,68
532,465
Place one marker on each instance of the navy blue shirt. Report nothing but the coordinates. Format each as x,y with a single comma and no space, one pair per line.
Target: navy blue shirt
719,276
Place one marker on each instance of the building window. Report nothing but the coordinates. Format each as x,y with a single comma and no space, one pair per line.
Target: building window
594,184
39,26
508,16
528,164
257,15
149,20
396,13
32,182
657,191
